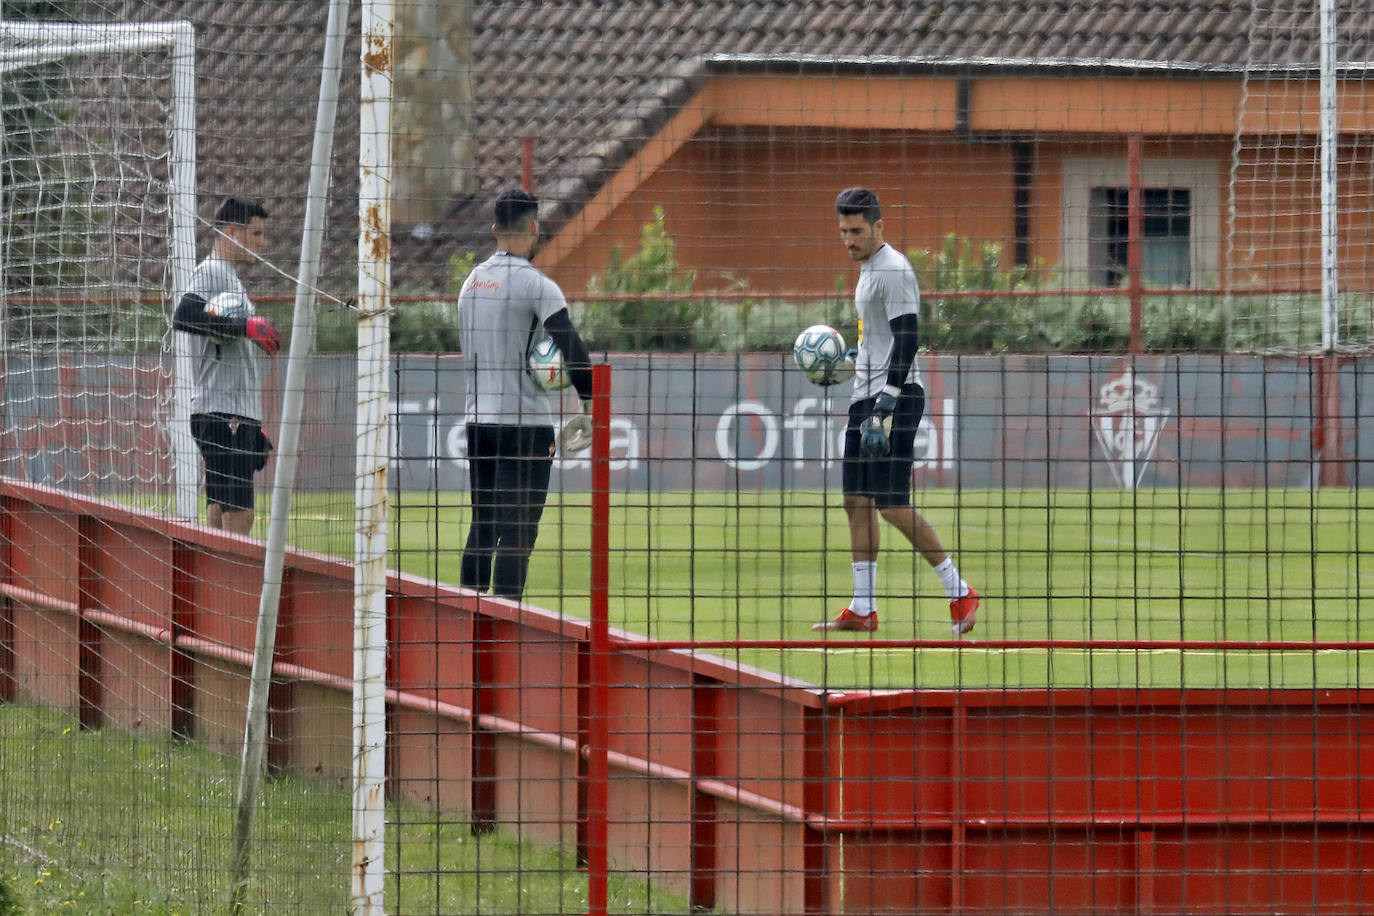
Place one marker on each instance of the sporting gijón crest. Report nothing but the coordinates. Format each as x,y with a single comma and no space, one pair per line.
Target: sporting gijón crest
1127,420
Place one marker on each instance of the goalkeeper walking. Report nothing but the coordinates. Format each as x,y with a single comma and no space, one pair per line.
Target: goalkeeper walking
886,409
506,305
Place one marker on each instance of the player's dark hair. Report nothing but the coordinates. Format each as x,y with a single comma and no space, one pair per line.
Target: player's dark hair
859,200
239,212
514,209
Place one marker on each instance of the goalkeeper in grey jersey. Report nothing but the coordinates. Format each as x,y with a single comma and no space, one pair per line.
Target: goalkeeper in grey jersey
505,305
887,408
226,409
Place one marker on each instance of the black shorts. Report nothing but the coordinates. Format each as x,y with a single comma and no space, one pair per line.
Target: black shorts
887,480
234,449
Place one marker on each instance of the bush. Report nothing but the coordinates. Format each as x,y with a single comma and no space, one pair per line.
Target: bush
998,311
653,323
769,325
10,904
417,326
975,323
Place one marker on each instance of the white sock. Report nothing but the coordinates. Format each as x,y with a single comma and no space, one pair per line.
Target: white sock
949,578
865,599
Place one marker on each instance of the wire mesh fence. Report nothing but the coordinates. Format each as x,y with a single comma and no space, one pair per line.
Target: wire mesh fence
1089,637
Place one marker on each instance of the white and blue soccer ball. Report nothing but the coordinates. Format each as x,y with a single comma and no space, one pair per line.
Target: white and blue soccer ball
819,352
546,365
230,305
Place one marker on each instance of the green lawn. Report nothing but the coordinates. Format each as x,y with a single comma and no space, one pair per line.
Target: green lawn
101,822
1152,564
1233,564
1068,564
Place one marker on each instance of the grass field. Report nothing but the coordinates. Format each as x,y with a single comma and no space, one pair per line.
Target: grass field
1153,564
100,822
1150,564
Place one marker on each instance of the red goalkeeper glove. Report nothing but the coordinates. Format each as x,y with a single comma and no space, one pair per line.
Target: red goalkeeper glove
264,334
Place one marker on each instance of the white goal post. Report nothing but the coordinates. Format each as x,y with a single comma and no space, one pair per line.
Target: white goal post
31,44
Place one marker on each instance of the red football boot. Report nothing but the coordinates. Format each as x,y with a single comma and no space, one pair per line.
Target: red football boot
851,622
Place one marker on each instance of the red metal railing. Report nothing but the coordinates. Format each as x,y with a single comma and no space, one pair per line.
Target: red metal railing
765,795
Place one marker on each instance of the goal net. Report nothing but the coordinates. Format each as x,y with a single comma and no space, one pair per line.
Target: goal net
98,194
1298,192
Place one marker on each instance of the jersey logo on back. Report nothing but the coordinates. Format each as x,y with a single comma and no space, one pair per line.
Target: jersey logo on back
488,284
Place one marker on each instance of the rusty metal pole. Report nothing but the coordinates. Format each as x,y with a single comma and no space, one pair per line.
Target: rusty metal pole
374,357
1327,432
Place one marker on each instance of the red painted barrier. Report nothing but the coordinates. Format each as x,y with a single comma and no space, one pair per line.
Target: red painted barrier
598,681
744,791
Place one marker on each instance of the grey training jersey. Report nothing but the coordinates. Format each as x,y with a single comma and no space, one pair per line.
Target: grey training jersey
228,376
887,288
501,311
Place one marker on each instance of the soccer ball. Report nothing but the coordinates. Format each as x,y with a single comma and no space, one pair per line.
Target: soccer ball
229,305
819,352
546,366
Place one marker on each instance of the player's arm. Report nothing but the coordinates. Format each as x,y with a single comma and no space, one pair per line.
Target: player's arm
576,359
905,343
876,429
577,434
191,317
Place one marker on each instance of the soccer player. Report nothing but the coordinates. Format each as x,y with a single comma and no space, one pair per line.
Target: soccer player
226,408
886,409
504,304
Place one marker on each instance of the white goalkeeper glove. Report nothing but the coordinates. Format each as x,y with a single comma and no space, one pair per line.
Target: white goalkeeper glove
844,369
577,432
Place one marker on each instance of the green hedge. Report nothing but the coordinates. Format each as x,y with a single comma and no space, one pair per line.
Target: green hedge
644,302
1064,323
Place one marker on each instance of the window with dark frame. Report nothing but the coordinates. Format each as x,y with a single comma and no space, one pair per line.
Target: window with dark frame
1166,249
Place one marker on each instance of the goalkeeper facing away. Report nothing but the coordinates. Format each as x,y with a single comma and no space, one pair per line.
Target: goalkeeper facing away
883,416
506,305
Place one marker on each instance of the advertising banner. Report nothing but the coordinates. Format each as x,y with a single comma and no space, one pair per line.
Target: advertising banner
752,421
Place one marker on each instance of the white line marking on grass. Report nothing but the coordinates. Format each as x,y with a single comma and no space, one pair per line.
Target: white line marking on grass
1064,651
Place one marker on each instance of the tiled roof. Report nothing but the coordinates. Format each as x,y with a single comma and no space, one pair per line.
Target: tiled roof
591,81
